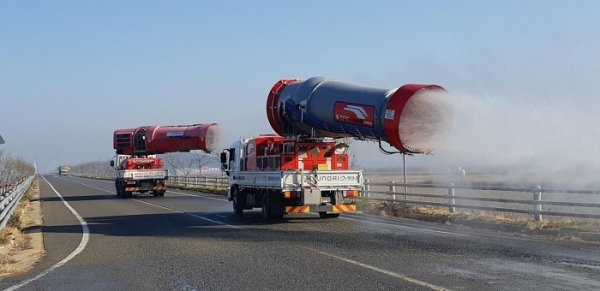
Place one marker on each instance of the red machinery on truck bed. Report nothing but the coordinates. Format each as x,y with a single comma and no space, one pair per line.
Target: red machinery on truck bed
138,169
305,167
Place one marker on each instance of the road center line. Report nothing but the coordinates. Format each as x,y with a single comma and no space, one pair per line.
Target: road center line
390,273
405,226
342,217
168,191
84,241
173,209
201,196
192,215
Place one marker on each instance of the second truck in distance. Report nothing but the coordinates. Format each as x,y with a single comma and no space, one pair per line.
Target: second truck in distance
138,169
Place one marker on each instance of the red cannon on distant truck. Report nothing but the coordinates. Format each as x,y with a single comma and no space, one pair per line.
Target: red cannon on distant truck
305,167
138,169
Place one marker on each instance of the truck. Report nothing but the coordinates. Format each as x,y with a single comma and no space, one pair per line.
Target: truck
137,166
141,174
64,170
282,176
304,166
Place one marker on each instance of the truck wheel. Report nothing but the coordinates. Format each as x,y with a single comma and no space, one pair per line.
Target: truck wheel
123,193
158,193
328,215
266,208
276,204
118,188
238,201
268,203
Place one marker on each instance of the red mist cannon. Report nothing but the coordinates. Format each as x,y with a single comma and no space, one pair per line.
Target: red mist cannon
158,139
413,118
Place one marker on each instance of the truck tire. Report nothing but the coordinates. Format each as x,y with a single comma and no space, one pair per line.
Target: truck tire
158,193
328,215
118,188
239,201
277,204
270,204
266,208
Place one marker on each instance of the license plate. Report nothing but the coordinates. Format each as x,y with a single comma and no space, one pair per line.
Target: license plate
325,199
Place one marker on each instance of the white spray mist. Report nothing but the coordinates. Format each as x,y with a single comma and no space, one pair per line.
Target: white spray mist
549,137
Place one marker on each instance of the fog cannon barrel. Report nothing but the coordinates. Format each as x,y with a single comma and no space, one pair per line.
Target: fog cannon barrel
414,118
160,139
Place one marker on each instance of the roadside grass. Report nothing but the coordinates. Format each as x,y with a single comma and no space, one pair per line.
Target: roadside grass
442,215
213,190
524,223
12,238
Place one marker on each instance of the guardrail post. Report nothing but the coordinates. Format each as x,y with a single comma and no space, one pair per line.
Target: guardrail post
367,187
537,202
393,190
451,199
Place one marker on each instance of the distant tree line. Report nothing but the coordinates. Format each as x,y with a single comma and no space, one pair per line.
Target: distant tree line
13,169
181,163
184,163
93,167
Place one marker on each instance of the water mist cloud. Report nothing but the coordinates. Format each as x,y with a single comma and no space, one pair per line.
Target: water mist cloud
524,133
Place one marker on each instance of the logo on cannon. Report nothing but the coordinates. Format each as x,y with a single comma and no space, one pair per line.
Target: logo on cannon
356,114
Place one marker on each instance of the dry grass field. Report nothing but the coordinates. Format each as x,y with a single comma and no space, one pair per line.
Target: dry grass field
523,222
19,250
526,222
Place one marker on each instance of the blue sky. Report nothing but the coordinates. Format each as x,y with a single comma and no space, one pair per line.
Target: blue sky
71,72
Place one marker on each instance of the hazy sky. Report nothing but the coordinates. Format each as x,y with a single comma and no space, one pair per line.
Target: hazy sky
522,74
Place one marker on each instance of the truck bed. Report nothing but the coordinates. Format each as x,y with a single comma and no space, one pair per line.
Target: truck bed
296,180
147,174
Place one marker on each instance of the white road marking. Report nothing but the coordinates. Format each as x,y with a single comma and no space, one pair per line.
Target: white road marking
410,227
390,273
192,215
168,191
194,195
93,187
84,241
173,209
342,217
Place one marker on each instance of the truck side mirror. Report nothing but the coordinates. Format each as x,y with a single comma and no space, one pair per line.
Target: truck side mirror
223,158
231,154
112,163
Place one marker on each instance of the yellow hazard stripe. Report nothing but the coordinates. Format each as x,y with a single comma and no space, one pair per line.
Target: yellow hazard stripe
156,188
297,209
344,208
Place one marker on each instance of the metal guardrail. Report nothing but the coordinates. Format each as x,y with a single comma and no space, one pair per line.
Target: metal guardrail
213,182
200,182
10,198
581,203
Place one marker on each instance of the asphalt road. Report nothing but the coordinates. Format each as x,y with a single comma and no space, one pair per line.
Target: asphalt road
193,241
